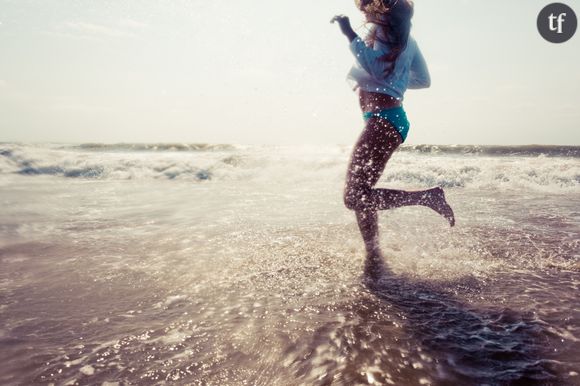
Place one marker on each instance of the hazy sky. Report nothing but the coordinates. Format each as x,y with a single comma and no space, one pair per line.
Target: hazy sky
273,72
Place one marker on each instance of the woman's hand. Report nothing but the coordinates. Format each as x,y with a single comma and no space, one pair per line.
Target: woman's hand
345,27
343,22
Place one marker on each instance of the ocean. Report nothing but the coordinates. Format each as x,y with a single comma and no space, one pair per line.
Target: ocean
198,264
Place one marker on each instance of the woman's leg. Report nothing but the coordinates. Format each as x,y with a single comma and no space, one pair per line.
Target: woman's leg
371,152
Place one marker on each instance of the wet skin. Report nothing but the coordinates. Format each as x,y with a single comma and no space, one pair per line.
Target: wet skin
374,147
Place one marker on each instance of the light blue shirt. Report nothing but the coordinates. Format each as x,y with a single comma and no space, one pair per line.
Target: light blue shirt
410,71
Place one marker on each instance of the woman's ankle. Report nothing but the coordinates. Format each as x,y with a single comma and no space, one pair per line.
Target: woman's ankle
374,252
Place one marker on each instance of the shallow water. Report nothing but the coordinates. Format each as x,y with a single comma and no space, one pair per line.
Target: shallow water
240,265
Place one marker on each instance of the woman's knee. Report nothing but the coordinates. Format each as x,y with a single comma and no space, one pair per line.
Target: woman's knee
349,200
354,197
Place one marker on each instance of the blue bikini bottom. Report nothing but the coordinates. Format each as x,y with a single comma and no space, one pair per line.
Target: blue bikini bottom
396,117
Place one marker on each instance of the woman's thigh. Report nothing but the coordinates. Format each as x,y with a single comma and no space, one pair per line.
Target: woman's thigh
374,147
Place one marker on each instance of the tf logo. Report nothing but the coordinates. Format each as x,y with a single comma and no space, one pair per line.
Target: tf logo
557,23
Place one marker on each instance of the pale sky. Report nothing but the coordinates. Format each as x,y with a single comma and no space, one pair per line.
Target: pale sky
273,72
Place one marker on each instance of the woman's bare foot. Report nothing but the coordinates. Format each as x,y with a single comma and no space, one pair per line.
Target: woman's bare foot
436,201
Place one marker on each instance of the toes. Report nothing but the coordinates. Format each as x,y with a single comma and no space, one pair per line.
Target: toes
451,217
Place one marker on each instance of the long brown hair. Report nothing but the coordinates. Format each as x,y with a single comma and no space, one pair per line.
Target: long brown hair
394,19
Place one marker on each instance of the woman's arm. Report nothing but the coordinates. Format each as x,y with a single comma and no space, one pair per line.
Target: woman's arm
419,73
365,56
368,58
344,24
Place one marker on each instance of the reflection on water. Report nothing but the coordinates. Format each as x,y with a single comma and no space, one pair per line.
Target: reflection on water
288,323
139,279
434,339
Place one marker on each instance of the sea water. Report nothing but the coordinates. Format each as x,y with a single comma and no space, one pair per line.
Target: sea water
240,265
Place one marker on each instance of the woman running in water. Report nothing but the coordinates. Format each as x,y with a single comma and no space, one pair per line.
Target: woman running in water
386,65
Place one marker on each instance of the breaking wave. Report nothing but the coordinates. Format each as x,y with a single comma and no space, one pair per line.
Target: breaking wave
542,167
489,150
525,151
152,147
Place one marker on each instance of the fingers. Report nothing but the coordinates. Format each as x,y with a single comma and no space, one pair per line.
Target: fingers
338,18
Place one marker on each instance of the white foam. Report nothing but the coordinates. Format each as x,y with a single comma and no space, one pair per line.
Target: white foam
291,165
87,370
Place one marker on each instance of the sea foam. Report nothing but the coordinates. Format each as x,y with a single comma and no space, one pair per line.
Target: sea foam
538,167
